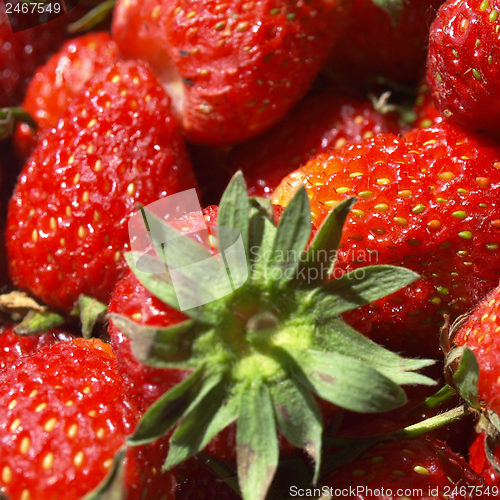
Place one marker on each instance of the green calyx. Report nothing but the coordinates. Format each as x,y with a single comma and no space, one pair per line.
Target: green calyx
259,353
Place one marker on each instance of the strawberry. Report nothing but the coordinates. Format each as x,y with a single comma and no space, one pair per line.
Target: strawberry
233,70
21,52
378,43
65,416
480,463
243,364
422,468
57,82
14,346
462,64
323,121
426,112
428,201
115,146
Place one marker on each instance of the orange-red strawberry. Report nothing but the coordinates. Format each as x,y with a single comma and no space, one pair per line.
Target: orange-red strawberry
422,468
323,121
117,145
65,415
376,44
56,83
428,201
463,63
232,69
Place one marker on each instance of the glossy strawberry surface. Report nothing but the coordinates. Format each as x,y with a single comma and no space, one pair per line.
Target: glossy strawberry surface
116,145
428,201
57,82
232,69
462,64
323,121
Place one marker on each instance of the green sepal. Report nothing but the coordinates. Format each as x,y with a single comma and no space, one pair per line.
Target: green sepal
322,252
233,211
336,335
292,235
201,425
466,377
9,117
299,419
111,487
159,285
38,322
439,397
167,410
93,18
256,442
358,288
348,382
393,7
90,311
169,347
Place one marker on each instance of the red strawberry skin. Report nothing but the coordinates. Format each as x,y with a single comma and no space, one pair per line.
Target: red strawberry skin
480,333
56,83
14,346
424,464
65,415
374,45
425,110
429,202
117,145
480,463
233,70
323,121
463,63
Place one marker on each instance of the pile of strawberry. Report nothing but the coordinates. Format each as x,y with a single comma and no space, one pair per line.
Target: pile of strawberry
348,151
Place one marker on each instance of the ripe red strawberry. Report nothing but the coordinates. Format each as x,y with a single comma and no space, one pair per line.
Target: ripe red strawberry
56,83
422,468
462,65
426,112
377,45
14,346
21,52
427,201
240,359
232,70
116,145
323,121
65,415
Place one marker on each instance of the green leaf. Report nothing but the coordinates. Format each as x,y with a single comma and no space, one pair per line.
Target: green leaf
293,232
392,7
442,395
159,285
257,442
91,311
92,18
161,347
467,376
358,288
322,251
262,235
299,419
348,382
167,410
234,209
111,487
38,322
201,425
336,335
